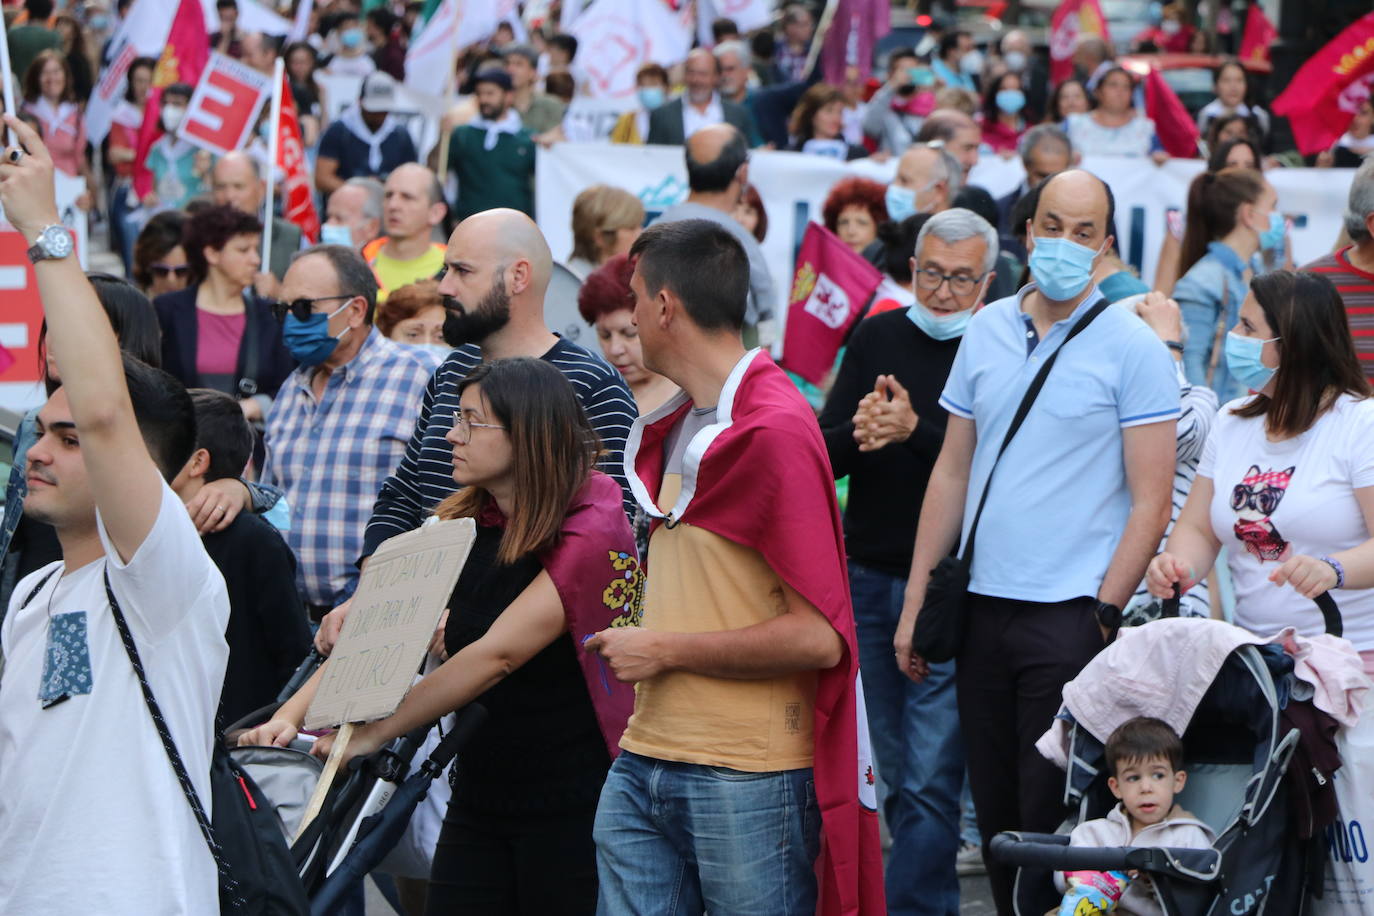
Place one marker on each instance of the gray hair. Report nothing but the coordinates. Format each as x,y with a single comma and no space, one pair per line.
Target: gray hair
354,276
1361,201
376,195
958,225
735,47
1043,135
953,176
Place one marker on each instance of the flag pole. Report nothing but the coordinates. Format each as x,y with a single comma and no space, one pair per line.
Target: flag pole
274,119
10,108
450,96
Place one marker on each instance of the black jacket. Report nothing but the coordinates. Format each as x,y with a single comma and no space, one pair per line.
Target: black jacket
176,312
665,122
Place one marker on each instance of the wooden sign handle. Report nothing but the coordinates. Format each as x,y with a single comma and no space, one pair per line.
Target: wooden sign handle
331,767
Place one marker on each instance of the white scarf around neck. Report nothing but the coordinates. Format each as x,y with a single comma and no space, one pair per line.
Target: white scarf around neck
352,118
507,124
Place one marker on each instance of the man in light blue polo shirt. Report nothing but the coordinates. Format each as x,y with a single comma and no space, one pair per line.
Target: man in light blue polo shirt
1075,511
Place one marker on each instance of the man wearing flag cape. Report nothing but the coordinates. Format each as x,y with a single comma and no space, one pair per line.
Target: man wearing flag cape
738,789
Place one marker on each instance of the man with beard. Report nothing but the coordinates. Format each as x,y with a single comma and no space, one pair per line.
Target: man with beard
493,154
496,272
341,420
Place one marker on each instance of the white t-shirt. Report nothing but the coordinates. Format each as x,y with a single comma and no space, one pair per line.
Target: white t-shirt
92,818
1294,497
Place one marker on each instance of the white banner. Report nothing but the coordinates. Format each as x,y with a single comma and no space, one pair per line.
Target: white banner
616,37
747,15
794,186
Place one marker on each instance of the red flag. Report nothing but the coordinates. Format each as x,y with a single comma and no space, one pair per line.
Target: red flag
298,203
1259,35
856,27
1071,19
188,48
1324,95
829,291
734,491
1176,130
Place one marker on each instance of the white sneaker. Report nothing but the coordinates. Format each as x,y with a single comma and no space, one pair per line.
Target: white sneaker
970,860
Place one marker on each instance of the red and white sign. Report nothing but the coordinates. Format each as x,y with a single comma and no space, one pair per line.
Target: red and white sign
225,107
1071,19
298,204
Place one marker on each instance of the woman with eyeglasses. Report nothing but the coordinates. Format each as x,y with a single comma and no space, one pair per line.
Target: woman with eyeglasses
1286,481
553,563
217,333
159,260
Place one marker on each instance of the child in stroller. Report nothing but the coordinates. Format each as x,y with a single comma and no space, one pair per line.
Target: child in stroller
1145,758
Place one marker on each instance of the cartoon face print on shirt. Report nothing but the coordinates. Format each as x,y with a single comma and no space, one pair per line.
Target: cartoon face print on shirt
1254,500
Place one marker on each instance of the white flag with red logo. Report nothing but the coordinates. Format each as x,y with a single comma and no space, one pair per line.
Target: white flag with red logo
142,33
298,203
616,37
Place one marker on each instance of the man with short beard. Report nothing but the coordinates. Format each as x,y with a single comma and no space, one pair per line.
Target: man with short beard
492,155
496,272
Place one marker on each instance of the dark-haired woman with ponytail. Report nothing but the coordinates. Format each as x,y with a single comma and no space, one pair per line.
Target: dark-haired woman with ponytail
1286,481
1231,215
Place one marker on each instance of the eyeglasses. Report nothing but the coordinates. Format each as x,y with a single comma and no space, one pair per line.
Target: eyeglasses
1264,500
302,308
959,284
162,270
463,427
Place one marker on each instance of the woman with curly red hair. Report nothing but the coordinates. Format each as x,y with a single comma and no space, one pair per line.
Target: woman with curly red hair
854,210
607,304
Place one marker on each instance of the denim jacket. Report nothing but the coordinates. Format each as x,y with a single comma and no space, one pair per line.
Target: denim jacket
1212,288
15,491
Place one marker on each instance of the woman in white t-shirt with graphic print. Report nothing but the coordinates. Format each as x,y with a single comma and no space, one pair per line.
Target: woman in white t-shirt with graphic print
1286,481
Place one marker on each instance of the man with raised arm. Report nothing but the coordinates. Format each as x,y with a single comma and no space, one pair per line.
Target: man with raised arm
93,820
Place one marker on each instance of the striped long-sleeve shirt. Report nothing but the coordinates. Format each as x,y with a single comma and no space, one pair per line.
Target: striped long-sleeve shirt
1357,291
425,474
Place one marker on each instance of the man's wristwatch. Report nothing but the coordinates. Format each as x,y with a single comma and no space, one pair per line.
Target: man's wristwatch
55,241
1108,615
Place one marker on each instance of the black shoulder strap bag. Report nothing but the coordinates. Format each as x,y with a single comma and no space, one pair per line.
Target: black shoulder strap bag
256,872
940,625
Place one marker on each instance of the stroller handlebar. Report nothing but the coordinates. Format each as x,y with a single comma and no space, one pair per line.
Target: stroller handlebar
1052,851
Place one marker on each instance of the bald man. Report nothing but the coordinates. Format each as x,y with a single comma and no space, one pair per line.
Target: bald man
1074,513
412,206
959,133
699,106
496,272
237,181
717,174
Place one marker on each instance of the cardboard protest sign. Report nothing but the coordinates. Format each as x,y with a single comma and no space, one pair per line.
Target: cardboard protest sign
224,109
401,595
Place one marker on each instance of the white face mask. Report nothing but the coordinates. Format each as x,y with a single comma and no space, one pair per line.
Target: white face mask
172,116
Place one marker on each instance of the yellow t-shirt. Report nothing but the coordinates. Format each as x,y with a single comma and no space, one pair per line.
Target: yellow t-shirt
701,582
393,274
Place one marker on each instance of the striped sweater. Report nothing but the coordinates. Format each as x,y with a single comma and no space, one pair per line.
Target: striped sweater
425,474
1357,289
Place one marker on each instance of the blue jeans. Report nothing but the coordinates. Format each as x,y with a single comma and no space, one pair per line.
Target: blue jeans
917,747
679,839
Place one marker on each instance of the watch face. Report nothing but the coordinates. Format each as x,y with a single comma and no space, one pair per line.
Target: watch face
56,241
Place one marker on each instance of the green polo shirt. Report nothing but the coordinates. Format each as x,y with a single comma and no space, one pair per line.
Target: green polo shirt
502,176
25,43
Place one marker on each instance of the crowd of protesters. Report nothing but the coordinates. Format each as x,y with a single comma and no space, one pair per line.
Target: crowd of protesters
230,434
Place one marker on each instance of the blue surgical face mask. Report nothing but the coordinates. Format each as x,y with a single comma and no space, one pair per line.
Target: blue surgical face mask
351,38
1243,360
940,328
336,235
1011,100
901,202
922,76
1272,238
440,350
309,341
1061,269
650,97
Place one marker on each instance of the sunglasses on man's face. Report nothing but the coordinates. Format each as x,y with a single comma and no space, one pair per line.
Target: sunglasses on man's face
302,308
161,271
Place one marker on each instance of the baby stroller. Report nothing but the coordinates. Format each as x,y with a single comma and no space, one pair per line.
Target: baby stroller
1237,751
367,808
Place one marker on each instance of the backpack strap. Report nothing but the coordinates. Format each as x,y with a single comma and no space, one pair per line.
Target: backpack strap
228,886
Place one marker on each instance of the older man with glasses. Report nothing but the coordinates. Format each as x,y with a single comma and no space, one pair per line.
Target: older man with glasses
883,427
341,420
